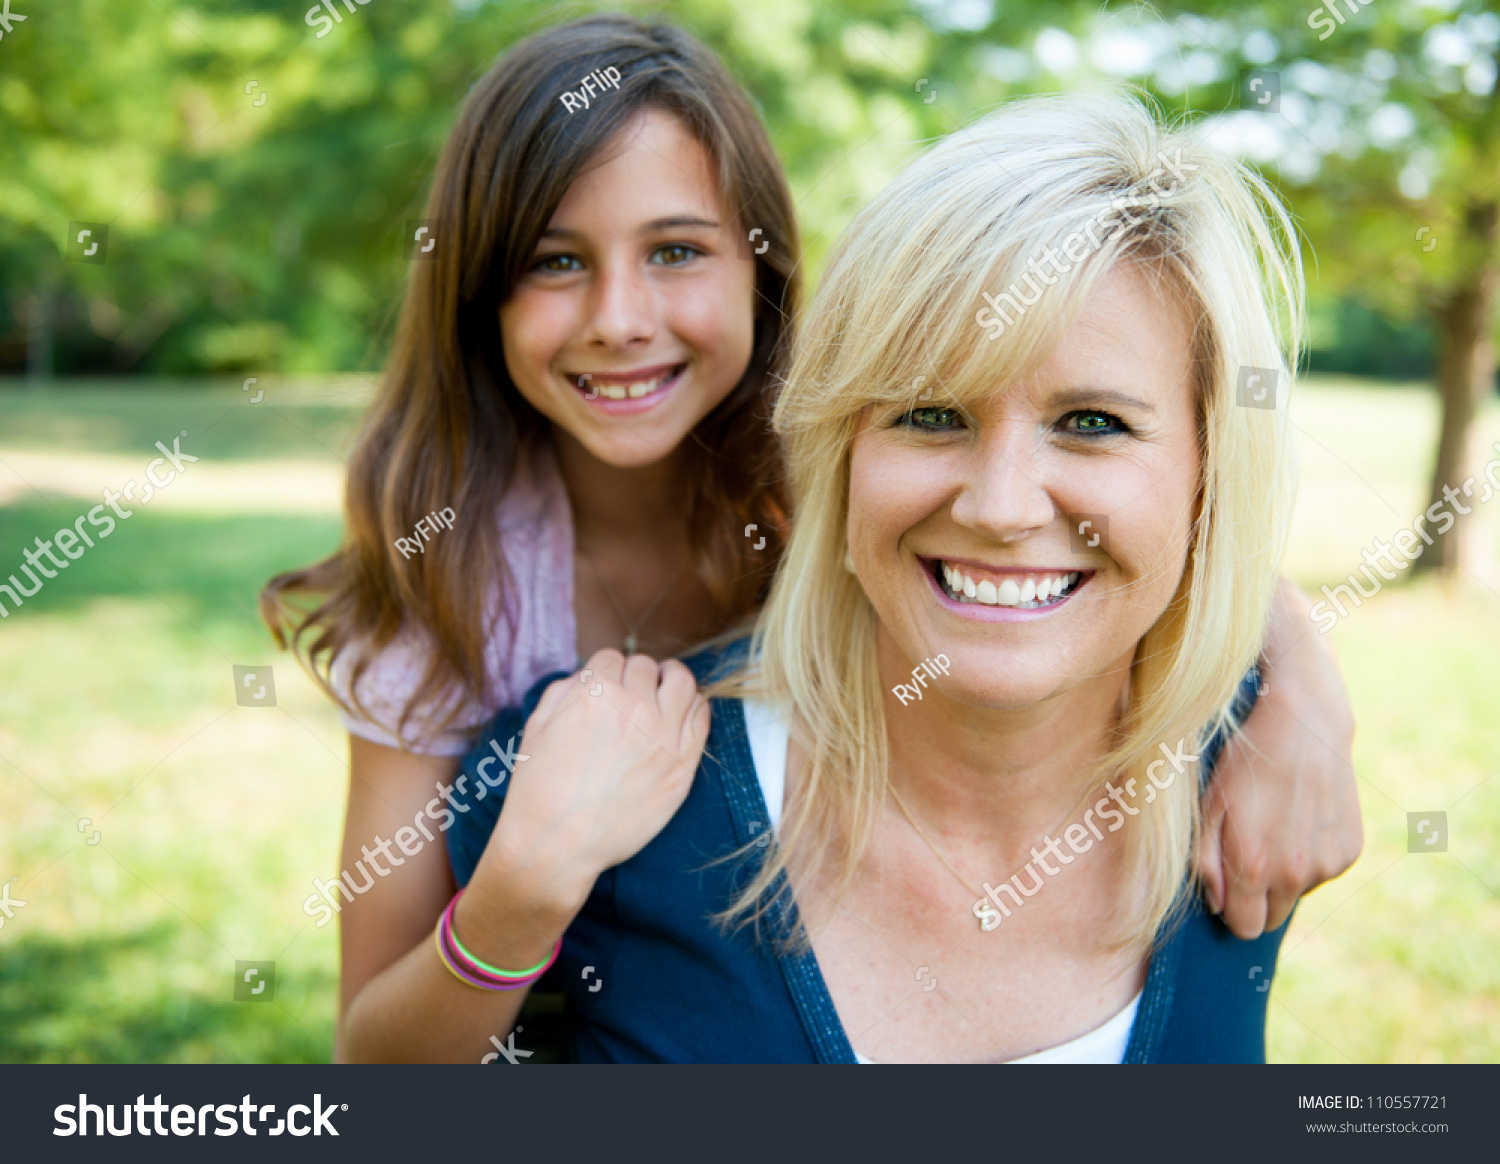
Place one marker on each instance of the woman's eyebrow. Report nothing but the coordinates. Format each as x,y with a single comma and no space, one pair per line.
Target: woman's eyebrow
1083,396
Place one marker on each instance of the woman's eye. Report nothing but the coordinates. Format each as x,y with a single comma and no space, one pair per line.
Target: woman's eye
559,264
1093,424
931,419
675,254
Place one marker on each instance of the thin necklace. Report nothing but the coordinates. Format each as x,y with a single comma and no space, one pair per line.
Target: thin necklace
936,852
632,640
911,820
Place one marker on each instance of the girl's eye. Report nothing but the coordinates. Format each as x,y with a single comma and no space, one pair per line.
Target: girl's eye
931,419
559,264
675,254
1093,424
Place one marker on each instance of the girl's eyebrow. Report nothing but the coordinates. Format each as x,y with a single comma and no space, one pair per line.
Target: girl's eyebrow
1085,396
656,224
677,220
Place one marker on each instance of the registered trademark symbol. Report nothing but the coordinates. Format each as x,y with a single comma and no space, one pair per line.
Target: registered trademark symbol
345,1106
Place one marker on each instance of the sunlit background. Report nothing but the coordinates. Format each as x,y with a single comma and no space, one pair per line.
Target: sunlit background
247,182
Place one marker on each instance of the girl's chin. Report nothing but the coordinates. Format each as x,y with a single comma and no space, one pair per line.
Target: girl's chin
635,450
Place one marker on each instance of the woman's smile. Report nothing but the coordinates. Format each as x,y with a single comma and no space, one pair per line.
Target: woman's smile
974,590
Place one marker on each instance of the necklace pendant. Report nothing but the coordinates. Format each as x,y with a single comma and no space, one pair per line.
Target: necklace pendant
631,643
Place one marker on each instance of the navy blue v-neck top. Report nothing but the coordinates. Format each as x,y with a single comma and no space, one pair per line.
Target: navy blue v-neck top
651,978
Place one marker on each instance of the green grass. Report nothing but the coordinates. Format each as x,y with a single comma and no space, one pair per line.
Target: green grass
118,706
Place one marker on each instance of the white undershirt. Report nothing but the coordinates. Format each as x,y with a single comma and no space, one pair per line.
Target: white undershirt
769,737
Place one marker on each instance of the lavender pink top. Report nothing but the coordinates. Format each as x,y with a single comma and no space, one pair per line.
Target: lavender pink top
531,633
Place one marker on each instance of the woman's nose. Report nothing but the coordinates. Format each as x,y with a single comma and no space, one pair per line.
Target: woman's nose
1005,495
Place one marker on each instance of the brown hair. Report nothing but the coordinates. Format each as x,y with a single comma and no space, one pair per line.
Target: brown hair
449,424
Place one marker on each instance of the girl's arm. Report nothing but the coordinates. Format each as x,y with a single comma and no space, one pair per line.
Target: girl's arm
398,1002
1282,811
603,776
388,790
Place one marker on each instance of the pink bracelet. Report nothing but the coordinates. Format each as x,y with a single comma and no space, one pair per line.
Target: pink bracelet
470,970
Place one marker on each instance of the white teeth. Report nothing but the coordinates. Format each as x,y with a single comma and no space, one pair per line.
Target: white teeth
622,391
1031,591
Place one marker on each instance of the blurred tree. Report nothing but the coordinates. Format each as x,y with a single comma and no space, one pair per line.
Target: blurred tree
1381,125
1346,337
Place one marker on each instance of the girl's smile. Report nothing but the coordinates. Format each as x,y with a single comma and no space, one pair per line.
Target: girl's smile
631,392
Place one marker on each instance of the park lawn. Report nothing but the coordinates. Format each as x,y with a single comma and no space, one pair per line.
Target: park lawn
117,707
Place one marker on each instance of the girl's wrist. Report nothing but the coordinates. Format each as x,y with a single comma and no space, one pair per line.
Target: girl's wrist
532,879
507,926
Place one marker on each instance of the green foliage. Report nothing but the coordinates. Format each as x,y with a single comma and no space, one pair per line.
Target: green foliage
265,237
1347,338
256,238
1389,129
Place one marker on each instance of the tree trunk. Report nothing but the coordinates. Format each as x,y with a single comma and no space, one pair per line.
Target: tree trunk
1466,376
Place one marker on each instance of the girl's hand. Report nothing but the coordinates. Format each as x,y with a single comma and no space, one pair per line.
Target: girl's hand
1281,815
611,756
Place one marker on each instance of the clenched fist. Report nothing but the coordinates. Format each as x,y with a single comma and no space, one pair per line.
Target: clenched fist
612,755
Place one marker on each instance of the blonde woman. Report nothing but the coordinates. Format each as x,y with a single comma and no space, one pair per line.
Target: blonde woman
950,789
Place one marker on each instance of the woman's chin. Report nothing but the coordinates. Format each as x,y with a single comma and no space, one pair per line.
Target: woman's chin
984,689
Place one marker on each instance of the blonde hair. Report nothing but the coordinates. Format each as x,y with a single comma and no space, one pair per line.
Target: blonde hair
896,312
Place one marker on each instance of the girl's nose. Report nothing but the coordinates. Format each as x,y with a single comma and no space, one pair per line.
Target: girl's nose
622,308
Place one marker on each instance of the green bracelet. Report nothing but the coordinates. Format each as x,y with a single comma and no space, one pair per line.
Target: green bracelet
447,925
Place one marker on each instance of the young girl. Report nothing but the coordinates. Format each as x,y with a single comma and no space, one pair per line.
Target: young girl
580,389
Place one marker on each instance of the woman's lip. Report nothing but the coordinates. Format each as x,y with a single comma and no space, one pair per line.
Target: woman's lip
986,569
979,612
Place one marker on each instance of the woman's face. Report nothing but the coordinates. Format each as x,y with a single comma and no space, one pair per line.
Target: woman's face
1035,542
636,316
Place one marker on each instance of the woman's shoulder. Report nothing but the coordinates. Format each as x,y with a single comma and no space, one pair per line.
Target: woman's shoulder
720,657
726,764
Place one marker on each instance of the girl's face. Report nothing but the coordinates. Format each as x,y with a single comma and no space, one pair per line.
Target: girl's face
637,314
1035,542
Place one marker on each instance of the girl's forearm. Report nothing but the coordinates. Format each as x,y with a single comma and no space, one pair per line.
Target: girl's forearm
416,1011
